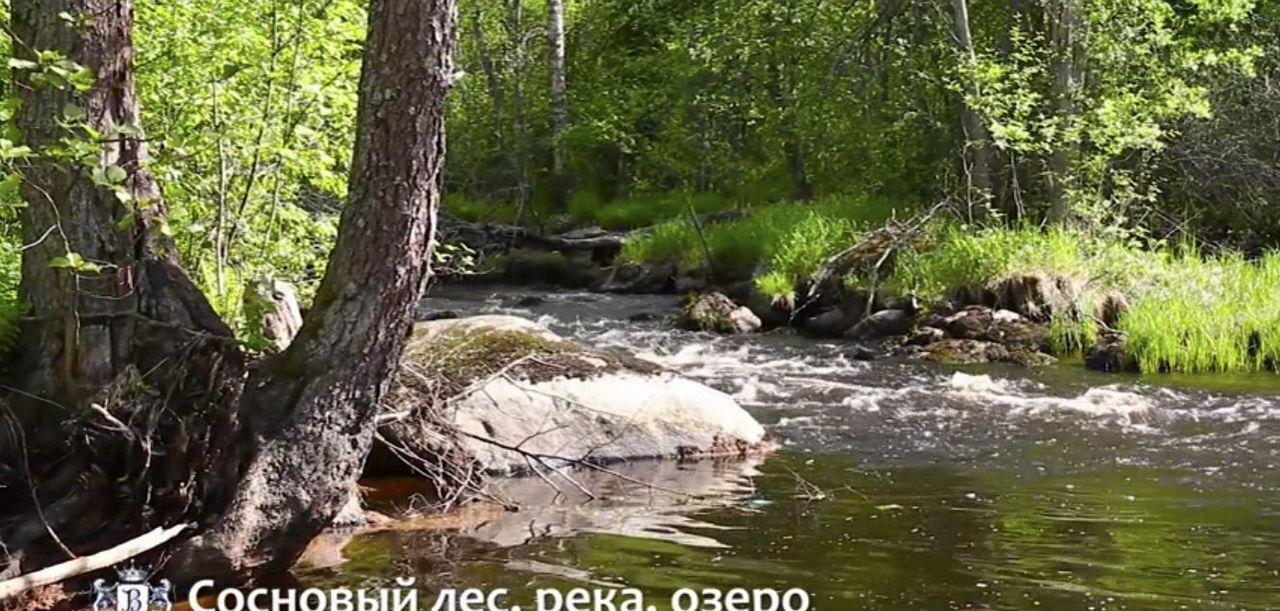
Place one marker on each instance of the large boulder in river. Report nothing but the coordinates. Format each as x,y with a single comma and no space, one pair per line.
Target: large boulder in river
717,313
503,395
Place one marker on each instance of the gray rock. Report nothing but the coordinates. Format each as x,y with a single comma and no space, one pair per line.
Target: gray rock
524,266
999,326
717,313
881,324
829,324
631,277
553,398
925,336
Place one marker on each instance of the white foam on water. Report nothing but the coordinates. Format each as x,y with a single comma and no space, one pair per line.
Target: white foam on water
1110,402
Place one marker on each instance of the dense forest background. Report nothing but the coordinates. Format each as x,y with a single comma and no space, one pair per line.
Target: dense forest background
1150,119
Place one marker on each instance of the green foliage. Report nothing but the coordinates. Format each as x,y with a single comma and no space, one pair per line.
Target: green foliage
642,210
788,240
250,110
1202,315
1188,313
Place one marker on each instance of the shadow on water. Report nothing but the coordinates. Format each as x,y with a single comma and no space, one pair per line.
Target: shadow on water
900,486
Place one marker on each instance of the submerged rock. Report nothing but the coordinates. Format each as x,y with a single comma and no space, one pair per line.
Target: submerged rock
881,324
717,313
862,353
972,352
504,395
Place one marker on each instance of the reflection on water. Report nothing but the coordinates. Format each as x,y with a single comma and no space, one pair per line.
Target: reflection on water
941,489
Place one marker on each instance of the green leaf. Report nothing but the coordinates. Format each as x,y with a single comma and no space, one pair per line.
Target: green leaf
125,221
74,113
116,174
22,64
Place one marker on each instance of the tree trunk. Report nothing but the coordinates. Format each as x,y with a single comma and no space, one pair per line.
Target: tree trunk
114,324
89,322
559,103
310,411
1062,32
977,146
128,337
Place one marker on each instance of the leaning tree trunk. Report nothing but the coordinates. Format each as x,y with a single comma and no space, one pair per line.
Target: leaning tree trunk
559,102
310,412
110,308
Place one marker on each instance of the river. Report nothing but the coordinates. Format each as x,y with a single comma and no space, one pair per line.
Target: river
898,486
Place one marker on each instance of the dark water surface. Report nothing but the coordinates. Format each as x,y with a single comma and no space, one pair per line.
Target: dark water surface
899,486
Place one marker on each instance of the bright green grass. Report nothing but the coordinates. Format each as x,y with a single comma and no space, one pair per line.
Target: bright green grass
789,240
1217,315
478,211
642,210
1188,314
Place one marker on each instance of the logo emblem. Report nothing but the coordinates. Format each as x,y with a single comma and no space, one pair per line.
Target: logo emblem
132,593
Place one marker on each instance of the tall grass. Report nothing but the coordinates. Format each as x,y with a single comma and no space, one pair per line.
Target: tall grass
1187,314
787,241
1208,315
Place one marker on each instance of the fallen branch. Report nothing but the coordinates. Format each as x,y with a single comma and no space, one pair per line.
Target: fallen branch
86,564
878,245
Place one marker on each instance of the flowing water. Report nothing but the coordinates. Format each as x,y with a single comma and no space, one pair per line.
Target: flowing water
898,486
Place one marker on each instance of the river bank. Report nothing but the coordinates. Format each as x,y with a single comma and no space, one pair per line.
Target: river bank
900,484
1116,303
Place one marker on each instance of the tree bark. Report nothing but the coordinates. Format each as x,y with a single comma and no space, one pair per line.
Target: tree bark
977,146
85,327
559,102
110,308
146,376
1062,33
310,411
